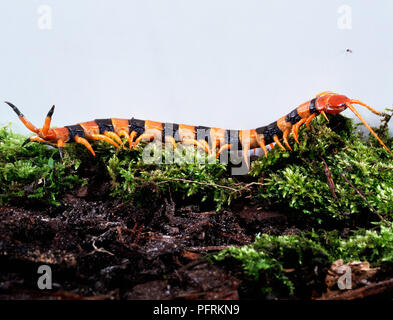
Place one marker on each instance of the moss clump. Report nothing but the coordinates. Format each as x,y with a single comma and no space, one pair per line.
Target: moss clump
33,172
193,176
294,264
298,179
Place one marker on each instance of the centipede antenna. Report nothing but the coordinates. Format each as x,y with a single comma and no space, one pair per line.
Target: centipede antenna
48,120
61,153
365,105
352,108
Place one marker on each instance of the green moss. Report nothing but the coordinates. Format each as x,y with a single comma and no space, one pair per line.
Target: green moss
298,179
134,179
284,264
33,171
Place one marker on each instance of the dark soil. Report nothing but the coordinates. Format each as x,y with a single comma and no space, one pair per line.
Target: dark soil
98,248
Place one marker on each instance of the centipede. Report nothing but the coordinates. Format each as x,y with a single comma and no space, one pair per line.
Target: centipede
128,133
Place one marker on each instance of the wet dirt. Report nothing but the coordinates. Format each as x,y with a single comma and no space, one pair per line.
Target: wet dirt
98,248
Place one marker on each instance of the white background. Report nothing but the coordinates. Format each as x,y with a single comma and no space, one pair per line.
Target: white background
225,63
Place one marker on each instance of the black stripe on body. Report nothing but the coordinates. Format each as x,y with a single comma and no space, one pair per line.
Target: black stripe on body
312,107
293,117
202,133
136,125
232,138
269,132
170,130
75,131
104,125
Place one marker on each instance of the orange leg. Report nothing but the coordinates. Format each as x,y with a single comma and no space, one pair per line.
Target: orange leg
22,118
131,139
172,141
124,133
246,148
141,137
309,119
285,138
224,147
39,140
271,146
85,143
60,146
295,129
113,136
48,119
196,143
205,146
104,138
325,116
275,138
263,146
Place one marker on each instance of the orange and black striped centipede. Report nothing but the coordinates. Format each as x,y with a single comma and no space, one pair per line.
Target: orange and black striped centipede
212,140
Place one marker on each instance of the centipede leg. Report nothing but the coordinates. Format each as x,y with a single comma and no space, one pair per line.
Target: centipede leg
86,143
205,146
172,141
143,136
263,146
224,147
295,129
104,138
48,120
60,146
131,139
39,140
246,148
123,133
275,138
324,115
26,142
309,119
113,136
196,143
22,118
285,138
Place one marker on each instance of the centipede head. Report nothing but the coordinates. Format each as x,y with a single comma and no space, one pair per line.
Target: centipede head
43,135
336,103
